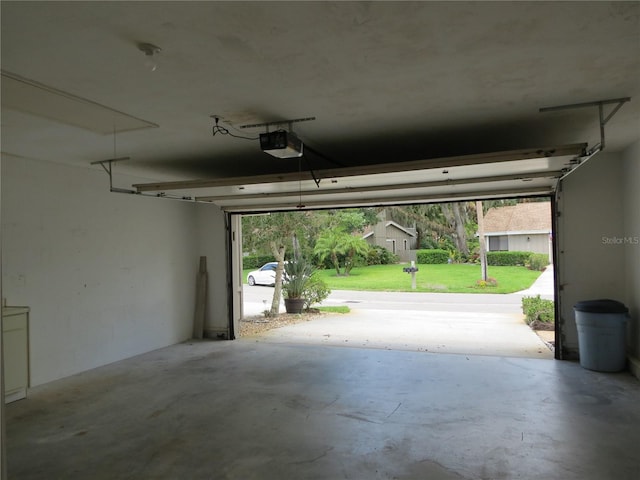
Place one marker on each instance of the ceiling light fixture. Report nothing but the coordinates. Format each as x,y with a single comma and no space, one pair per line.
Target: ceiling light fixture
150,50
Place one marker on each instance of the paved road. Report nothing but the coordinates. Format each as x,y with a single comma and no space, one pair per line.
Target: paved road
258,298
254,298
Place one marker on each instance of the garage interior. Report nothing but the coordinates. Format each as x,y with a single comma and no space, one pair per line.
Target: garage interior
129,146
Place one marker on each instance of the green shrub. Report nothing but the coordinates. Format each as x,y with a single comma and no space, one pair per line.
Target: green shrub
508,259
537,309
298,275
432,256
378,255
324,264
255,261
315,291
538,261
357,261
457,256
428,242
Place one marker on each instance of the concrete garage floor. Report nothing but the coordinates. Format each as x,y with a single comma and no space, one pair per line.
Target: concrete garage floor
247,410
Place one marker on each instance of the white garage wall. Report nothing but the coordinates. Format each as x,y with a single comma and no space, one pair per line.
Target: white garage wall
631,205
212,244
107,276
590,266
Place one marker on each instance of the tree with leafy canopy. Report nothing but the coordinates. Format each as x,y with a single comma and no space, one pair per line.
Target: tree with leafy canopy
311,225
351,220
276,232
427,219
457,215
447,223
337,245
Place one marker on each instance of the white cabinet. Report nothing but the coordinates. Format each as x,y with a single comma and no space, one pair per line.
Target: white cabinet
15,350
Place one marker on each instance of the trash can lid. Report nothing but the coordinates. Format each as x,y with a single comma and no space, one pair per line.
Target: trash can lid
601,306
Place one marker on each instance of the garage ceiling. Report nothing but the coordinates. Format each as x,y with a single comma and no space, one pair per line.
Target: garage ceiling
409,98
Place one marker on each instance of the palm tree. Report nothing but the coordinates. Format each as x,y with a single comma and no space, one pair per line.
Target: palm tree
328,245
352,246
336,243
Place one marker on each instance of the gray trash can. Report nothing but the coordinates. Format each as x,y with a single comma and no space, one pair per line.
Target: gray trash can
601,334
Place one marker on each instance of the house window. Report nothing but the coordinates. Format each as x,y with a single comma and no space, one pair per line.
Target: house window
498,243
406,244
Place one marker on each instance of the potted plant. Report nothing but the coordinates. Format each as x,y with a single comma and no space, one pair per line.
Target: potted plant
298,272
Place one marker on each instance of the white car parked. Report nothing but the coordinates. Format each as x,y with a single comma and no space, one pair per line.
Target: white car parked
265,276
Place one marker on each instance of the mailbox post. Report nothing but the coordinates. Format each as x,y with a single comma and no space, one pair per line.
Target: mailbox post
412,270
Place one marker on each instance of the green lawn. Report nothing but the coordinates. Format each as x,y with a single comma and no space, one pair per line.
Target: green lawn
334,309
448,278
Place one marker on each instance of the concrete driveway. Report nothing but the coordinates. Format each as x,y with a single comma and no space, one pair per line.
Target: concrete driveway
473,324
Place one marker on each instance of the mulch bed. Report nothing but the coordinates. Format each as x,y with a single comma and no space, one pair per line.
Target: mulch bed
538,325
259,324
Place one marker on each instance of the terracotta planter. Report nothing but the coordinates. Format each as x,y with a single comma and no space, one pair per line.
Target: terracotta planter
294,305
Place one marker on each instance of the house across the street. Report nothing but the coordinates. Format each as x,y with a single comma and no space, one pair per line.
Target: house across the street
524,227
399,240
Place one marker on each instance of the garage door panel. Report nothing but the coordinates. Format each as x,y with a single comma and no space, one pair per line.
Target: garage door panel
514,173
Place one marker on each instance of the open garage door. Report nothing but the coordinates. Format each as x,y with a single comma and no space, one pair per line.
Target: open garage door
448,312
521,173
516,173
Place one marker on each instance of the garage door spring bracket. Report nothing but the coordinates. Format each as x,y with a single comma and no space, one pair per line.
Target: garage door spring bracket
107,167
618,102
